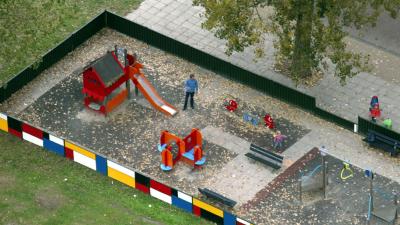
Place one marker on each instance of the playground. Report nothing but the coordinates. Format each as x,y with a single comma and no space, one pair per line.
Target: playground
346,199
131,130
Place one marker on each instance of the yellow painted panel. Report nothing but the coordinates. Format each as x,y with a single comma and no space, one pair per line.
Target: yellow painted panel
121,177
208,207
80,150
3,125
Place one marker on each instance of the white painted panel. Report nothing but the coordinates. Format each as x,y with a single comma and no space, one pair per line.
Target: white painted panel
120,168
32,139
3,116
84,160
185,197
242,221
56,140
169,109
163,197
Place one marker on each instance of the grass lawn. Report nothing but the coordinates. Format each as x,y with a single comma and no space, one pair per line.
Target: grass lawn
39,187
29,28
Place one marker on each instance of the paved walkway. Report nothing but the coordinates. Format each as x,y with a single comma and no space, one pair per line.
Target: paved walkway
386,33
180,20
238,173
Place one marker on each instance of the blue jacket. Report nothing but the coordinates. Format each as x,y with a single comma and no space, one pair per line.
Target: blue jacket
191,85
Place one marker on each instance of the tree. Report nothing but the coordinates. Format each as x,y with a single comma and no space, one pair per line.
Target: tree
308,33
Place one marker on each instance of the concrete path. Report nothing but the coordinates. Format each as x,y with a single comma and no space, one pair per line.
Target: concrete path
180,20
386,33
241,173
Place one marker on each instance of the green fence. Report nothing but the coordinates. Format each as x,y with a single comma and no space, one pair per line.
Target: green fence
334,118
210,62
219,66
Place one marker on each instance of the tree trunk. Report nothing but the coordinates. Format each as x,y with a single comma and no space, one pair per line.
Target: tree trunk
301,66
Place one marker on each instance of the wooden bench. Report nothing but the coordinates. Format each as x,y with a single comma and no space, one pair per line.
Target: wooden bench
386,143
265,156
211,194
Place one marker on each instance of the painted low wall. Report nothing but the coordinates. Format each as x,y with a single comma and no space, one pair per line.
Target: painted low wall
112,169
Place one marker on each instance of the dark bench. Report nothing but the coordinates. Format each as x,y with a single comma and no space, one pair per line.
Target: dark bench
384,142
210,194
265,156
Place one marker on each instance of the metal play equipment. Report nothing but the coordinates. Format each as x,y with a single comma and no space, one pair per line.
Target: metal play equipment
346,171
189,150
387,209
316,180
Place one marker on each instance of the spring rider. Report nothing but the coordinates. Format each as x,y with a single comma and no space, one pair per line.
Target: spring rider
231,105
269,122
189,150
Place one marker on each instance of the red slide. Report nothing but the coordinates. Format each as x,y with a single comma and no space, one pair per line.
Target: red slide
149,92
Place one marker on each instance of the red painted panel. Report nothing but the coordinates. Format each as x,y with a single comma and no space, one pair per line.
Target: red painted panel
116,84
32,131
69,154
142,188
160,187
14,132
196,210
93,83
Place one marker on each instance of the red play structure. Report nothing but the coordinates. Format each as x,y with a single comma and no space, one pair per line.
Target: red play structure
189,150
269,122
231,105
103,83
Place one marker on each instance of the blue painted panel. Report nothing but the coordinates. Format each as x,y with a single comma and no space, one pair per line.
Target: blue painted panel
54,147
182,204
189,154
229,219
101,165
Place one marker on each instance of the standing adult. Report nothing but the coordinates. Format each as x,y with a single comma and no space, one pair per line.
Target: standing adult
191,87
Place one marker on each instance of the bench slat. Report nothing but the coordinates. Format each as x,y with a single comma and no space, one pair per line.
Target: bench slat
266,161
214,195
385,139
266,155
266,151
